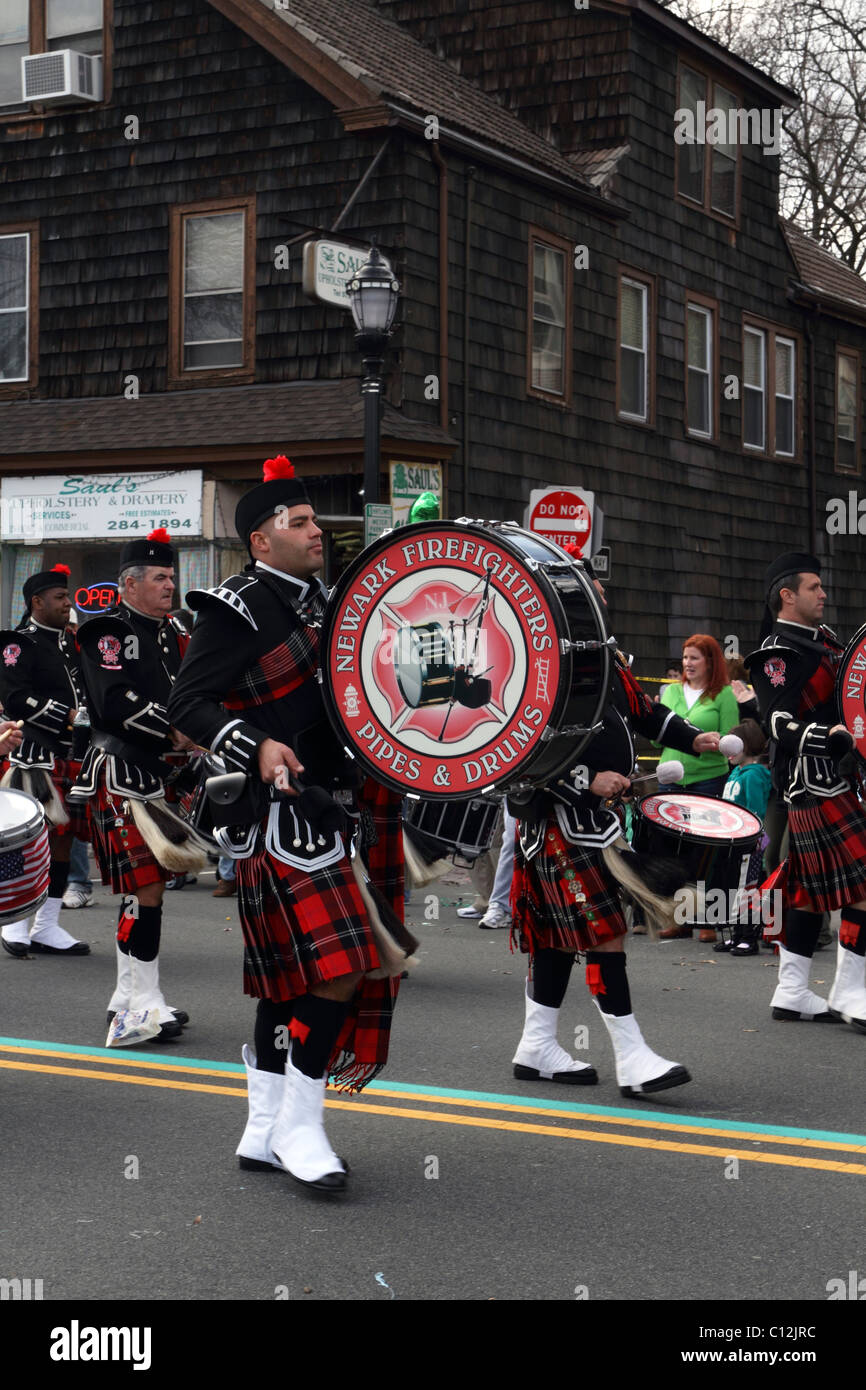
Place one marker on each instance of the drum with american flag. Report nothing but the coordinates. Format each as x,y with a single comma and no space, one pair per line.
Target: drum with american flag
24,855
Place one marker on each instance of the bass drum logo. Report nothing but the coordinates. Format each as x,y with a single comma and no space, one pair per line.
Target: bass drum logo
442,656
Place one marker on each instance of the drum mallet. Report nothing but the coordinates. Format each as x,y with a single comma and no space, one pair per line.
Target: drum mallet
730,746
672,771
9,732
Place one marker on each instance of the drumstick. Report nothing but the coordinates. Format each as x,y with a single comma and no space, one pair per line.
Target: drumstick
8,732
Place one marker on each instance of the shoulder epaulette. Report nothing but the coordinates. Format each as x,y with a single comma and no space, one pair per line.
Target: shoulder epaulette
229,592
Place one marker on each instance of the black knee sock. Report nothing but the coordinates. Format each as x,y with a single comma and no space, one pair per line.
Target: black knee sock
272,1037
551,971
852,933
58,876
139,929
608,982
801,931
315,1026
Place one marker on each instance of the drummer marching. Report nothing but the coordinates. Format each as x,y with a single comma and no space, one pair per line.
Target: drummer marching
794,674
40,685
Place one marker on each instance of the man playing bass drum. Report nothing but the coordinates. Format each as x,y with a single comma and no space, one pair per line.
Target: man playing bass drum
248,691
565,894
794,675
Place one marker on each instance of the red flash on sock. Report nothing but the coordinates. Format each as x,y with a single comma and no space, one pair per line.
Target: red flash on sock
299,1030
594,981
125,926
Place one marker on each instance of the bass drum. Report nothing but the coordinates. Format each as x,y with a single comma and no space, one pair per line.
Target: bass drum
851,691
459,657
464,830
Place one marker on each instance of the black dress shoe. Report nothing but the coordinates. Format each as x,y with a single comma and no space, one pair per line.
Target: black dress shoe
16,948
330,1183
677,1076
587,1077
78,948
180,1017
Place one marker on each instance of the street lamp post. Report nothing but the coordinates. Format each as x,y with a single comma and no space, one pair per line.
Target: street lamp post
373,294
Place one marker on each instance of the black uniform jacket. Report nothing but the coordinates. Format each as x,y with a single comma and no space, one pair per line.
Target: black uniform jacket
794,675
40,682
128,663
582,816
250,674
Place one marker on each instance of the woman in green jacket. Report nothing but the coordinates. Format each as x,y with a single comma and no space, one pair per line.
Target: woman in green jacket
704,697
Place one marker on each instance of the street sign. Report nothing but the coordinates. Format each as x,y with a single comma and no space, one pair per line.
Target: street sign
329,264
562,515
378,517
601,563
408,481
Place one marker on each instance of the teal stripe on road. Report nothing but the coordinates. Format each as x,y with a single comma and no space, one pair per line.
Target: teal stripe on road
446,1093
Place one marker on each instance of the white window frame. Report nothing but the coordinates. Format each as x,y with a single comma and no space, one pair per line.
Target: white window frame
709,335
627,280
26,308
779,395
761,334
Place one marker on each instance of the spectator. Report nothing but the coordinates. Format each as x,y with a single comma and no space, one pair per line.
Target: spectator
749,785
704,697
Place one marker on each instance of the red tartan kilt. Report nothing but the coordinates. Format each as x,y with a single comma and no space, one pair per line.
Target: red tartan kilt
544,912
63,775
300,929
124,860
826,853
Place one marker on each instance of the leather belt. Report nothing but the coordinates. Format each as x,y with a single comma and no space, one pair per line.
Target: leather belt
148,762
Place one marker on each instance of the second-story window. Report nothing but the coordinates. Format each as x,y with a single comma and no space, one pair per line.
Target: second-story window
40,26
15,307
700,369
549,356
635,360
769,391
213,290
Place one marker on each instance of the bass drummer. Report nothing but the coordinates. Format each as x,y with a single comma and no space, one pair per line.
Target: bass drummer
248,691
794,675
565,895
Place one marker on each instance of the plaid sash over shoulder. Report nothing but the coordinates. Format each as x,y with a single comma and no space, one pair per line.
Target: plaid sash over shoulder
278,673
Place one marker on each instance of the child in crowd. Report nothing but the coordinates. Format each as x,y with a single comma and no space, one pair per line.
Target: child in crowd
749,785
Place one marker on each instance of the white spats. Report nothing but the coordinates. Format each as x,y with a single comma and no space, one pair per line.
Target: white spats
539,1056
123,988
299,1139
848,995
146,993
17,933
265,1095
639,1070
793,999
46,927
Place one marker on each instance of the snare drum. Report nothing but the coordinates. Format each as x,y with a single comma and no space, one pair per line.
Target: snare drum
713,839
25,857
460,657
464,829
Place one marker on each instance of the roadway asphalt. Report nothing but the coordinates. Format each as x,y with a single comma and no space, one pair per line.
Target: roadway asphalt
603,1199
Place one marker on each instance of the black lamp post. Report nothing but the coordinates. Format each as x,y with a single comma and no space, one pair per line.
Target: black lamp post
373,294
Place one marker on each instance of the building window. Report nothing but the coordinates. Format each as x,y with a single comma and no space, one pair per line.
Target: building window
212,327
635,364
709,182
549,357
18,283
700,368
770,365
847,411
38,26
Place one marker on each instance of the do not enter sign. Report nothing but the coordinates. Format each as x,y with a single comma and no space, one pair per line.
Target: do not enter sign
562,515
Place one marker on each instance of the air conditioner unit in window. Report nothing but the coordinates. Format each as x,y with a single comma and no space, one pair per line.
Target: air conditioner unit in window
61,75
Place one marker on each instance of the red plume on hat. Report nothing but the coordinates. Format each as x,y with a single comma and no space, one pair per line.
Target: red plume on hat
60,569
278,467
161,535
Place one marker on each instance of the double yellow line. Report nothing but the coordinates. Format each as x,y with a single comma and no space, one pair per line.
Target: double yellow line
622,1128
